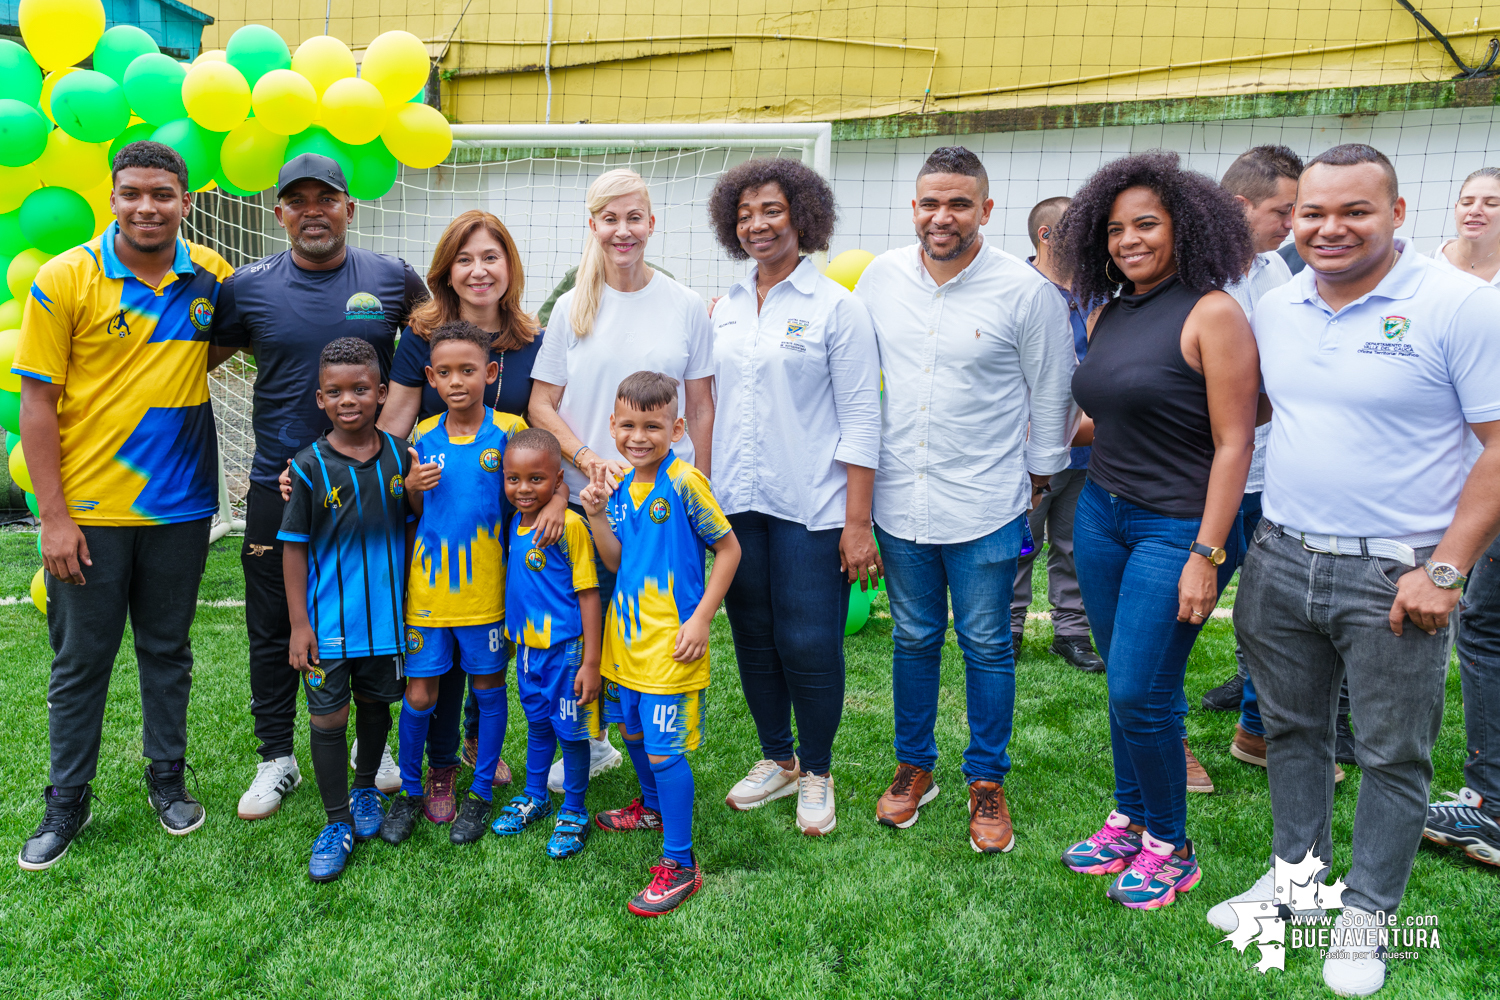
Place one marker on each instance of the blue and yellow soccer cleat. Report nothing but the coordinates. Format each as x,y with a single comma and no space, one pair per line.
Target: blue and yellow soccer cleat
522,812
568,835
331,852
366,805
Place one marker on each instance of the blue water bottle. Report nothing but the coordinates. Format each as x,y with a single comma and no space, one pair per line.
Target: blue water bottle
1028,544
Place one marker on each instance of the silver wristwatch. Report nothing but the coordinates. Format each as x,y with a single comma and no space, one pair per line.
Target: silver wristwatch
1444,575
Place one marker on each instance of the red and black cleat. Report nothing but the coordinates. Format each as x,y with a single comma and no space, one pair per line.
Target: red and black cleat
671,885
633,817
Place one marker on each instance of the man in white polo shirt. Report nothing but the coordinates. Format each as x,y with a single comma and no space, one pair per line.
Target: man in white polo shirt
1373,358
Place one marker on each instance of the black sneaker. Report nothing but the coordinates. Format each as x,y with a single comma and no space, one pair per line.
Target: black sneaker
1016,640
1343,750
402,818
671,885
1226,697
1079,651
65,819
178,811
472,821
1457,823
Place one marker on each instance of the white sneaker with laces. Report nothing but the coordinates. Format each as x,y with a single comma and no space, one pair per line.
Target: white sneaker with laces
1223,916
815,805
765,782
388,778
1357,967
602,757
274,779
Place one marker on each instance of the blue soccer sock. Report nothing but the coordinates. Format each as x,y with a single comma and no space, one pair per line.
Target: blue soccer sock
494,708
541,747
575,754
674,783
647,777
410,744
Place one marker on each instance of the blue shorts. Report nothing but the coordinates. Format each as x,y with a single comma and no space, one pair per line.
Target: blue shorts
673,723
544,682
481,649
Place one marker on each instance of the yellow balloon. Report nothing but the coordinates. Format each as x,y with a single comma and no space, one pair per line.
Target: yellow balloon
848,266
211,55
323,59
60,32
72,163
9,341
47,85
98,200
396,63
284,101
17,182
10,314
252,154
353,111
39,586
22,272
418,135
18,472
216,95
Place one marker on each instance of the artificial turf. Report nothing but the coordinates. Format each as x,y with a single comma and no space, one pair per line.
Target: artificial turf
865,912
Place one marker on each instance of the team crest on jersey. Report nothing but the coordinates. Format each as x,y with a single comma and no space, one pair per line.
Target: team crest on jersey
332,501
1394,327
398,486
413,641
794,327
536,559
315,677
201,312
363,305
660,510
489,459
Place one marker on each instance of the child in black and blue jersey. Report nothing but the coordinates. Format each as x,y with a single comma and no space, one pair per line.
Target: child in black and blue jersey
344,562
552,615
654,529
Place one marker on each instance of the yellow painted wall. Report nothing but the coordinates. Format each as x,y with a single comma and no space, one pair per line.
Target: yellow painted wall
799,60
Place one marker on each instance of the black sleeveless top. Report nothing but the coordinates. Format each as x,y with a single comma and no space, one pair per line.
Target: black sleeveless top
1153,444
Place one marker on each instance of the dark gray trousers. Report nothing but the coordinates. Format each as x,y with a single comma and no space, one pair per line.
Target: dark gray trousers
149,574
1051,520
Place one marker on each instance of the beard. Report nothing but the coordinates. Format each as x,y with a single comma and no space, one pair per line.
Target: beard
965,243
170,241
318,250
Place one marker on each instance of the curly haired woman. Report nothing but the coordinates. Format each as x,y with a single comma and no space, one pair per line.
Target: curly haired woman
1171,382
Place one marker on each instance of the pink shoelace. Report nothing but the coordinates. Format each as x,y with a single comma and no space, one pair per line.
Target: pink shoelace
1148,864
1108,835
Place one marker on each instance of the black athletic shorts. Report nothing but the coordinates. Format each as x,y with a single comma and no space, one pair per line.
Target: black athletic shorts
373,678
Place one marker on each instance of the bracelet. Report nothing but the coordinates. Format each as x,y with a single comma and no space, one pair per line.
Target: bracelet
580,451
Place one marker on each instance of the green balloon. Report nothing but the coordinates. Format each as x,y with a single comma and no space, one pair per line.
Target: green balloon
317,140
228,186
12,240
23,132
10,418
153,86
119,47
55,219
255,50
5,293
198,147
139,132
20,76
90,106
31,504
374,171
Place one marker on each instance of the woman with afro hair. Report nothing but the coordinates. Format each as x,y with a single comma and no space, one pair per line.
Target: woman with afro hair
796,442
1171,381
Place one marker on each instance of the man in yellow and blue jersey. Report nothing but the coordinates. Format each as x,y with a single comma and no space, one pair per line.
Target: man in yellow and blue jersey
118,435
653,530
552,615
456,588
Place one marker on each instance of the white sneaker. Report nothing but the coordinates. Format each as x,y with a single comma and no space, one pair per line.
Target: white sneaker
602,757
388,778
765,782
273,780
1360,968
1223,916
815,804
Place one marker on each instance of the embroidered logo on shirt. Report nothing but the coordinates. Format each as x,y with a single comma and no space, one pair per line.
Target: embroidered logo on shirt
1394,327
794,327
413,641
489,459
201,312
398,486
660,510
363,305
118,326
332,500
536,559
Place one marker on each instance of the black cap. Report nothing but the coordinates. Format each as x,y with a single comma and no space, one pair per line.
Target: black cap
311,167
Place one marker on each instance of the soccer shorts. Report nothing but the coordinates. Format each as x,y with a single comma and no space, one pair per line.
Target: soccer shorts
673,723
373,678
544,681
481,649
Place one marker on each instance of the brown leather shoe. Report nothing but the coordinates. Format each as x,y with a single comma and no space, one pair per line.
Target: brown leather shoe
439,804
1248,747
1197,778
901,804
989,820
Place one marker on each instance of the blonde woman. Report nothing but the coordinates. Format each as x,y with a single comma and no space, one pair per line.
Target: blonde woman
621,317
1476,216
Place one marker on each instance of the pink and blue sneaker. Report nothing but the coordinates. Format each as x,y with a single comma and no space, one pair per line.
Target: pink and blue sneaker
1106,852
1155,876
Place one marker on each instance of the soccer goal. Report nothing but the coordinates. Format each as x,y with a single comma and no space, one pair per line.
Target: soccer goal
533,177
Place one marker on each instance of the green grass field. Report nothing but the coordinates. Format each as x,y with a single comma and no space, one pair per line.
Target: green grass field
866,912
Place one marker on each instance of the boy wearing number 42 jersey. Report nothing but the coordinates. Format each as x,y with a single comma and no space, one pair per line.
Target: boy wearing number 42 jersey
652,529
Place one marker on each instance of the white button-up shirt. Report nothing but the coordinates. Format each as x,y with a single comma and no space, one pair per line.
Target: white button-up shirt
1267,271
798,398
967,365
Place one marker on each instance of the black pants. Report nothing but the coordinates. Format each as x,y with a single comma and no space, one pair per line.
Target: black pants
273,682
149,574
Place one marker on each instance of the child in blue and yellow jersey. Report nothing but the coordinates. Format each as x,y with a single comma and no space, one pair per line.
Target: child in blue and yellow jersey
455,594
552,615
653,530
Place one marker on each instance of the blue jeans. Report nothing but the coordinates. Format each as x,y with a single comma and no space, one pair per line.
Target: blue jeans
1479,672
787,606
981,575
1129,561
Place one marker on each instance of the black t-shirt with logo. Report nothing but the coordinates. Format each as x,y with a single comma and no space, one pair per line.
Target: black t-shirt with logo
285,315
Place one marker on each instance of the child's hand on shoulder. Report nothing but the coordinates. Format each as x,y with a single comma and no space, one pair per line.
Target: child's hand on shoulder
304,648
422,478
586,685
692,640
549,525
284,481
